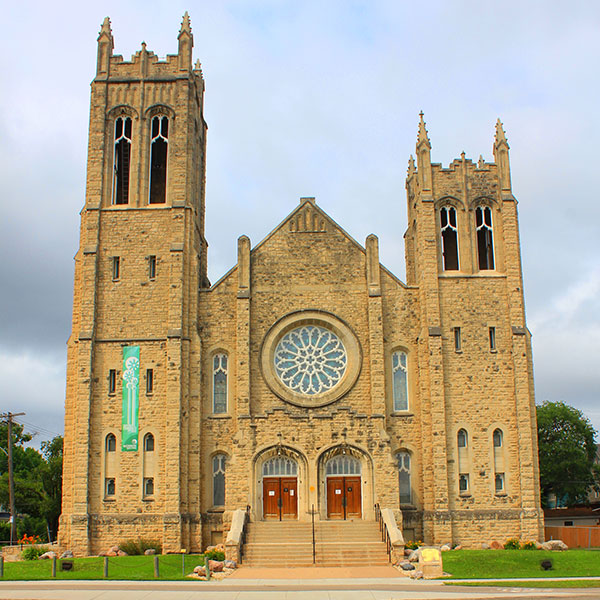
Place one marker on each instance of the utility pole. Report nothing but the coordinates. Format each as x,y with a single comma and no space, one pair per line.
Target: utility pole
11,478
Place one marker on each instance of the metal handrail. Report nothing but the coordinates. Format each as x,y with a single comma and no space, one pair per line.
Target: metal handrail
244,532
314,549
385,536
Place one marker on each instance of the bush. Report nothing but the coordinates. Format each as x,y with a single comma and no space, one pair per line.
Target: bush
134,547
512,544
413,545
529,546
33,552
214,555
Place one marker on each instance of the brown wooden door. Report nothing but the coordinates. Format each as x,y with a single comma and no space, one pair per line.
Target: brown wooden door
271,497
289,497
335,497
344,498
353,497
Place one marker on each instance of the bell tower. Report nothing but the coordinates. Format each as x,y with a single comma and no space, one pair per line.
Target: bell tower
140,263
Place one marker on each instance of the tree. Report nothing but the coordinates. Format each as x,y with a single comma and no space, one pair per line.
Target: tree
51,476
567,449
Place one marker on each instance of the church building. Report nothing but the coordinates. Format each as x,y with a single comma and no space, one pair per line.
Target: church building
308,377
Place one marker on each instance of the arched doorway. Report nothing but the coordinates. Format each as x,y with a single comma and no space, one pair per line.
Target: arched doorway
343,487
280,488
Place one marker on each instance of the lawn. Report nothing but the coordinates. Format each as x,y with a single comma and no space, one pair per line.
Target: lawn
498,564
575,583
119,567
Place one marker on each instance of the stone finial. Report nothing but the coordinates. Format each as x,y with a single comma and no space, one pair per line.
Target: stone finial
501,157
480,162
423,136
411,165
105,29
424,155
105,48
500,135
185,24
186,43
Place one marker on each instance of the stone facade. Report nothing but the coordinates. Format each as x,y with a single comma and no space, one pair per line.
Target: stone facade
226,413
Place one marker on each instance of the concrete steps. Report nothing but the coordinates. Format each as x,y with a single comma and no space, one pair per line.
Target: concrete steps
337,543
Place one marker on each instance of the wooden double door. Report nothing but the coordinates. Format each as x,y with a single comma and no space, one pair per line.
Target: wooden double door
280,498
344,497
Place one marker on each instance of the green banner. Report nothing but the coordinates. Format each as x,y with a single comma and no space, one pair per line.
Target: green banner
131,393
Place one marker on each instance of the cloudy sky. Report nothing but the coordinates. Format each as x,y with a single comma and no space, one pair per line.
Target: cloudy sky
312,99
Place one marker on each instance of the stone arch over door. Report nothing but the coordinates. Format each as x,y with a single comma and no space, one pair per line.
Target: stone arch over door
285,462
337,455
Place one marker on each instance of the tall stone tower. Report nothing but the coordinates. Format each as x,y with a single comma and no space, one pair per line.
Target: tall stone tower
474,349
141,260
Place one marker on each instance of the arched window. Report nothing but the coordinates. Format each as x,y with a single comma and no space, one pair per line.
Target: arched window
404,485
220,383
342,464
279,465
499,464
111,443
462,441
121,160
148,443
462,438
449,231
218,477
159,150
485,237
400,380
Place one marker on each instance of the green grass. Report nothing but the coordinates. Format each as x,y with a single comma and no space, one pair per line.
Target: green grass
577,583
498,564
119,567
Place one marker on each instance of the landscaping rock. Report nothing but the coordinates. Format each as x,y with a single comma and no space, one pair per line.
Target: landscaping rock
115,549
554,545
445,548
406,566
122,553
111,553
150,552
103,553
485,546
230,564
416,574
47,555
457,547
496,545
216,566
200,570
407,551
67,554
413,556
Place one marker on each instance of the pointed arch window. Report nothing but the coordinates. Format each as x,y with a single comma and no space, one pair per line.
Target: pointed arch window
400,380
218,477
404,484
148,443
220,383
342,464
121,160
159,150
111,443
485,238
280,466
449,233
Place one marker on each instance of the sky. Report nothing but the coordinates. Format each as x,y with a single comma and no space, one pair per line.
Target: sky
312,99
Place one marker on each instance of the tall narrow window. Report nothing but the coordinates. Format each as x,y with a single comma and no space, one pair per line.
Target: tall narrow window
492,336
148,443
148,486
152,267
463,483
111,443
499,463
220,383
122,159
404,485
485,238
449,232
462,441
116,268
462,438
149,381
159,146
109,486
112,381
457,340
218,480
400,380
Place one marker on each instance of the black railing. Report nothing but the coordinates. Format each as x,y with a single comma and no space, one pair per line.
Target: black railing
385,536
312,514
244,532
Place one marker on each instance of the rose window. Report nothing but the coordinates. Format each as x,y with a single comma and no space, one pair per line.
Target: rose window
310,360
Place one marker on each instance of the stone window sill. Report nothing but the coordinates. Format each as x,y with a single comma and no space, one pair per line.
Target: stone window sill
219,416
402,413
148,499
216,509
111,499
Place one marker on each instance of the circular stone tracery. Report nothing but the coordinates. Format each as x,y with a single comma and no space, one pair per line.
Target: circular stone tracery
310,360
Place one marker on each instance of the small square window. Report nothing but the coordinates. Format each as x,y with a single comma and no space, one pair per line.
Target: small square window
148,486
492,333
109,486
112,381
116,267
499,482
149,381
463,483
457,340
152,267
568,524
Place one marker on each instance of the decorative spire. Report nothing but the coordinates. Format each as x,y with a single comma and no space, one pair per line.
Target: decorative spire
105,48
105,28
500,135
185,25
422,136
481,162
186,43
411,165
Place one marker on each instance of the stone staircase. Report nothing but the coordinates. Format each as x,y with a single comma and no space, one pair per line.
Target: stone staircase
337,543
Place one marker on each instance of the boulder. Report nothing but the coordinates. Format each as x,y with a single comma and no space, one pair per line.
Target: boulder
496,545
445,548
111,553
407,551
150,552
407,566
230,564
216,566
67,554
485,546
200,570
47,555
554,545
413,556
122,553
115,549
457,547
416,574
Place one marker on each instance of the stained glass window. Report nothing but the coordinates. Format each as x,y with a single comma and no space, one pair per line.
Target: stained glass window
400,380
219,480
403,458
220,383
343,465
280,465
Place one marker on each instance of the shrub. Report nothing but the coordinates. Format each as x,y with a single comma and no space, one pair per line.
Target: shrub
512,544
529,546
33,552
134,547
214,555
413,545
